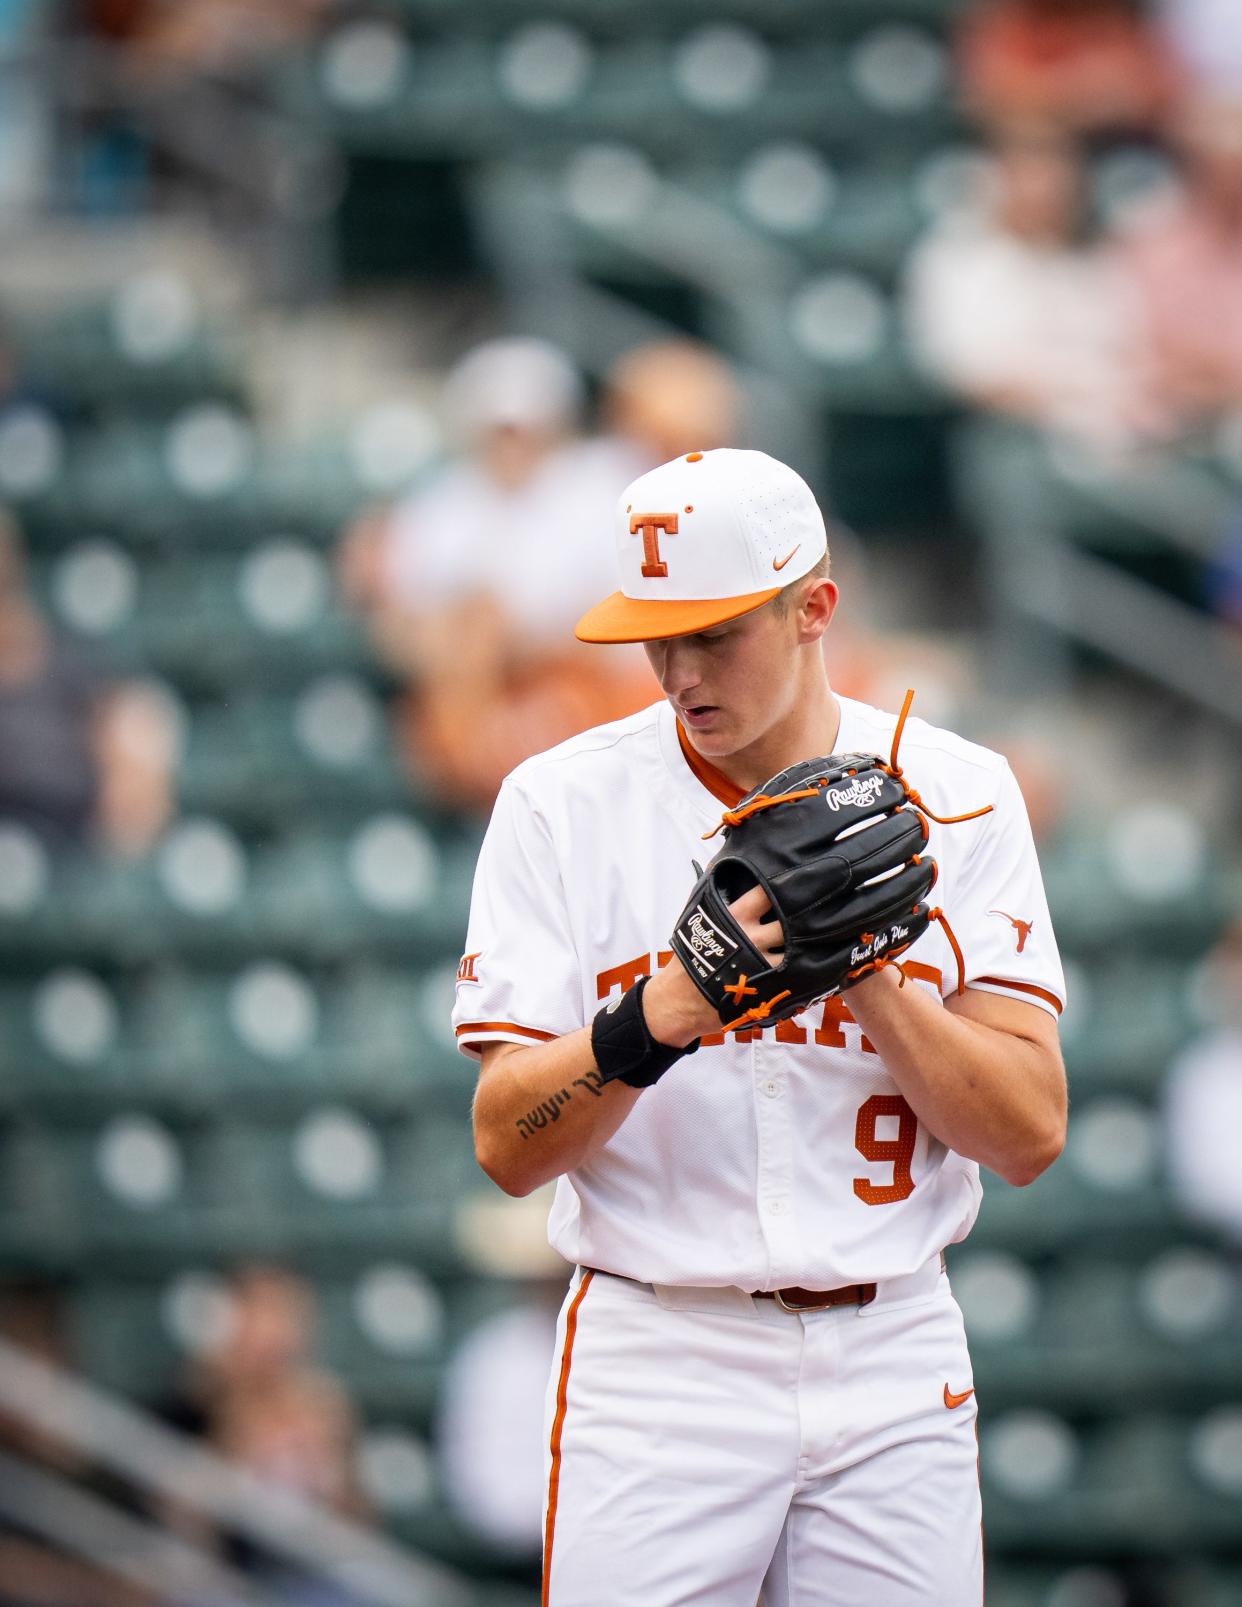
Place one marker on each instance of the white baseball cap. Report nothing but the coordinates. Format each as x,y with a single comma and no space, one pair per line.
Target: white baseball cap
512,381
703,539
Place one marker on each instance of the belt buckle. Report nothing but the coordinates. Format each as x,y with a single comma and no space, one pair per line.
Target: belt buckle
786,1305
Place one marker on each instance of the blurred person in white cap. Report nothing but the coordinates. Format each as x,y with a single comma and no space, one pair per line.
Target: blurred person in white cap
481,519
761,1380
470,584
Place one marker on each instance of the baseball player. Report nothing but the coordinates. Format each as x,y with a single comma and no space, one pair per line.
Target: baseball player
761,1379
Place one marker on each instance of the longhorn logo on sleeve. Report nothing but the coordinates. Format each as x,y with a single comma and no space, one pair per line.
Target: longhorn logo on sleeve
1022,928
863,790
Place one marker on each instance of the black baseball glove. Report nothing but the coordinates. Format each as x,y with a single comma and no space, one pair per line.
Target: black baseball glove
837,848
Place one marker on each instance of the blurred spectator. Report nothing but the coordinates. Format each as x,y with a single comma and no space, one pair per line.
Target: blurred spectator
1085,65
32,1320
159,49
1203,1099
473,584
665,398
1206,43
490,517
523,480
490,1431
256,1396
1185,258
79,757
1012,305
297,1432
172,38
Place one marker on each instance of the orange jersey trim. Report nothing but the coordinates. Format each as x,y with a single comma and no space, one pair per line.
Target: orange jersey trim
1020,987
716,782
468,1027
558,1423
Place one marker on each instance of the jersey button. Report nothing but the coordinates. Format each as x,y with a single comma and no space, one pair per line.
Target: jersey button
776,1207
771,1087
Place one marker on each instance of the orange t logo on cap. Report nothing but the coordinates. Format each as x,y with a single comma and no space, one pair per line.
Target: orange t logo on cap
650,524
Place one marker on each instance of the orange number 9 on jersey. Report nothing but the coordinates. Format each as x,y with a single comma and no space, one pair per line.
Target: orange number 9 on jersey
899,1151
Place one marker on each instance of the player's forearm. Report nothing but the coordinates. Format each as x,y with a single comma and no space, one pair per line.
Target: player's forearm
542,1111
992,1096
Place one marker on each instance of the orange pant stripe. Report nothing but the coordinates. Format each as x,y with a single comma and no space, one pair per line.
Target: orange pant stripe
558,1423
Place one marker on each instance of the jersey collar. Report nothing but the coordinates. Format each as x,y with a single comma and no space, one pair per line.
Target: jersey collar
695,774
716,782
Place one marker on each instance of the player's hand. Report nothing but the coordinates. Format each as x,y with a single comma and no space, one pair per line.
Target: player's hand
675,1010
752,912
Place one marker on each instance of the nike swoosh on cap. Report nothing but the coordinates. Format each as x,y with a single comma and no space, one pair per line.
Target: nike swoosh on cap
779,563
952,1400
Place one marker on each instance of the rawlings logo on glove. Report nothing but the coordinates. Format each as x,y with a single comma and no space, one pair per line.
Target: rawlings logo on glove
704,940
865,790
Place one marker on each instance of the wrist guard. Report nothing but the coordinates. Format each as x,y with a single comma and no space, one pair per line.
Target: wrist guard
622,1044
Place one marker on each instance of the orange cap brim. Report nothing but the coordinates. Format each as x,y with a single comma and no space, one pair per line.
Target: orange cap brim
632,619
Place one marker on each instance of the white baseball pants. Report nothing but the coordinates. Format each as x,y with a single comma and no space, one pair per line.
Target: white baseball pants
703,1447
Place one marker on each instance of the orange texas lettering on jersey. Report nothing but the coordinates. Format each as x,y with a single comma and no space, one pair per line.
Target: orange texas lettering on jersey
828,1035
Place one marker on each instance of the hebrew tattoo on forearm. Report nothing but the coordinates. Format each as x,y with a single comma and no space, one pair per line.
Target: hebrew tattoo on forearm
549,1110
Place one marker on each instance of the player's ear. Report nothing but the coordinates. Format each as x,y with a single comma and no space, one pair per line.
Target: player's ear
816,607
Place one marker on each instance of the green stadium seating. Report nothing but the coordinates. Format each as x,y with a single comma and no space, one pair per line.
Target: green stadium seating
119,1337
1095,1347
1135,1017
82,356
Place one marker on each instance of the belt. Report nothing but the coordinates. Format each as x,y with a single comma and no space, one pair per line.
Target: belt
796,1299
680,1297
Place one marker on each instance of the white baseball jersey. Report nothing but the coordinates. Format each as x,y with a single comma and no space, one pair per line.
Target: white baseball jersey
769,1158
